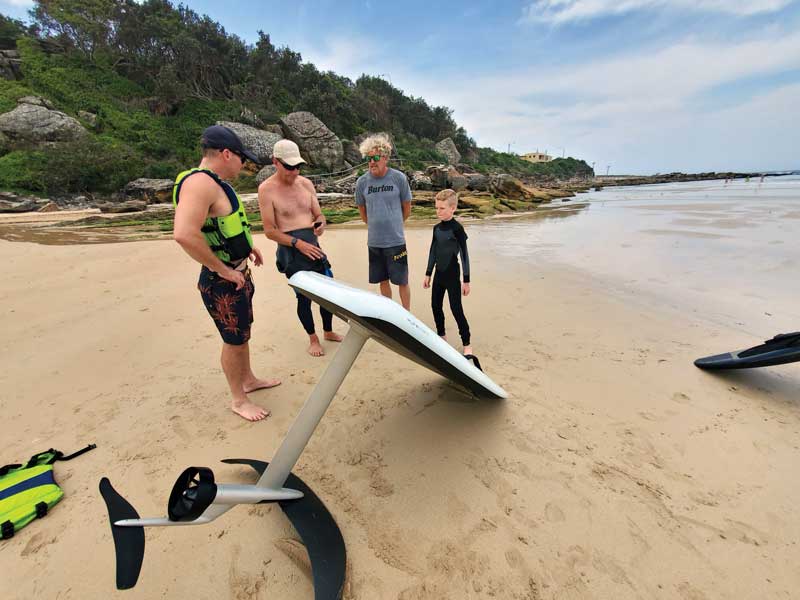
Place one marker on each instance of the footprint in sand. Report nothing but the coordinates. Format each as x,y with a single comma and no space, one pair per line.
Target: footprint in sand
688,592
553,513
681,398
36,543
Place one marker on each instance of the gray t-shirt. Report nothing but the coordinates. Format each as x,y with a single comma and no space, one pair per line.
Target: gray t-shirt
383,197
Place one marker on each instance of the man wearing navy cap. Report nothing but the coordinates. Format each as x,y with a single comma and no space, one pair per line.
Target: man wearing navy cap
211,226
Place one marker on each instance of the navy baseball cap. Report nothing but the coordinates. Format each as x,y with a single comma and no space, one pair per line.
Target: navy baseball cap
222,138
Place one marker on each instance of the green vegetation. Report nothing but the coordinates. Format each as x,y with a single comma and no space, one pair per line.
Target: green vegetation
155,74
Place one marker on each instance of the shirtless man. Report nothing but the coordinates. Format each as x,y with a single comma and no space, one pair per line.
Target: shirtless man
216,234
292,218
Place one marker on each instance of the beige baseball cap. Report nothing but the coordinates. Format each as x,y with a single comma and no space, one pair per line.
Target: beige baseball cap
287,152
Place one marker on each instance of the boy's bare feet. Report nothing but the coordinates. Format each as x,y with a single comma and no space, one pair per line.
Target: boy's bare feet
467,350
332,336
314,347
249,410
260,384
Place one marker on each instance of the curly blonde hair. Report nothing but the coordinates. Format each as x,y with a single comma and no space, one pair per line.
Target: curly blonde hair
378,140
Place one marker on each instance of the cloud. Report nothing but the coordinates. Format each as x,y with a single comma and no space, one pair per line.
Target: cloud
347,55
565,11
614,109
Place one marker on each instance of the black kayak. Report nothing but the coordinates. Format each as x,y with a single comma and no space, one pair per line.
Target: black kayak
783,348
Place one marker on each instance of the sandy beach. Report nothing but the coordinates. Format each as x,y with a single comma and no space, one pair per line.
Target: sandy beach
616,469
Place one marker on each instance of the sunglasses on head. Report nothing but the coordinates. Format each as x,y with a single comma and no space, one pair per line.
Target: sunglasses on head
373,157
290,167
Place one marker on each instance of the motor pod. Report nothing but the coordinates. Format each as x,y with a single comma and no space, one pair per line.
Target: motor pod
192,494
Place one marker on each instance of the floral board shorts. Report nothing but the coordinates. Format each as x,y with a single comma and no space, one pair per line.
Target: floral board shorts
231,309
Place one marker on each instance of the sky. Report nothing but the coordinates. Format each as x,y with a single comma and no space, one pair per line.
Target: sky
631,86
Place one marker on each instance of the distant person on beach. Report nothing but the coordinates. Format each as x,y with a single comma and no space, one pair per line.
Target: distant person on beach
383,197
211,226
449,240
292,218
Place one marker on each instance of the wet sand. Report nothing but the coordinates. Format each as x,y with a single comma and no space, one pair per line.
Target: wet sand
615,470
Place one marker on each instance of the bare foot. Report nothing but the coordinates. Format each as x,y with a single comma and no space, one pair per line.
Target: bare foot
315,348
444,337
467,350
260,384
332,336
250,411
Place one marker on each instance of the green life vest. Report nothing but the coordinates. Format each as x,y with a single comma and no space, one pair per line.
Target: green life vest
229,236
28,491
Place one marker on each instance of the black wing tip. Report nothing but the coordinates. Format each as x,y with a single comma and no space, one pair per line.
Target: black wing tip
128,541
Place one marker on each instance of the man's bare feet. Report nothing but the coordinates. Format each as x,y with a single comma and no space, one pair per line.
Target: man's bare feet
467,349
332,336
249,411
314,347
260,384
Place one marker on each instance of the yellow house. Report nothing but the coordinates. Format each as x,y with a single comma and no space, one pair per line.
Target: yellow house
536,157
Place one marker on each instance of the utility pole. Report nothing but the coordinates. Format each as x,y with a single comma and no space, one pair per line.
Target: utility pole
607,168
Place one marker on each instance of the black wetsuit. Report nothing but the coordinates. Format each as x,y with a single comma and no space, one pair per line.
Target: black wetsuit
449,238
289,261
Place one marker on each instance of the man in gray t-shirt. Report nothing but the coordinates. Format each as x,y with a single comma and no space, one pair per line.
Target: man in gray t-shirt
383,197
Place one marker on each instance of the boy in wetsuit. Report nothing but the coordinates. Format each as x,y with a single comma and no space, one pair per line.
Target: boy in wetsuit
449,239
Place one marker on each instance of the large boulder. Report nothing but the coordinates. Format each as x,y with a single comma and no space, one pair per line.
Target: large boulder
10,65
37,124
477,182
258,141
152,191
265,173
456,180
351,153
419,181
511,187
318,144
438,176
448,148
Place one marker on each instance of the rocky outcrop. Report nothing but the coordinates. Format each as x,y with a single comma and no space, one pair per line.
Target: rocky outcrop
318,144
507,186
250,118
257,141
49,207
36,101
442,177
32,122
10,65
351,152
456,180
152,191
274,128
477,182
11,203
88,117
123,207
264,174
420,181
448,148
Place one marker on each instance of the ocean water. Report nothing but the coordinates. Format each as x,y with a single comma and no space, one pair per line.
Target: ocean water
725,251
